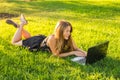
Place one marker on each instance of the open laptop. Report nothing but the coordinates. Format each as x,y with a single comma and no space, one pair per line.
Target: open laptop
94,54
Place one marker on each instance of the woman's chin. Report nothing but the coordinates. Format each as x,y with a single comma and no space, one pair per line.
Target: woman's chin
66,38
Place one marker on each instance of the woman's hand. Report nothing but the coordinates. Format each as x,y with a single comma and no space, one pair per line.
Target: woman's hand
78,53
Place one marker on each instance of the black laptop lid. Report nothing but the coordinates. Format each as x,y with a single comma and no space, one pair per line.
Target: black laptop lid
97,52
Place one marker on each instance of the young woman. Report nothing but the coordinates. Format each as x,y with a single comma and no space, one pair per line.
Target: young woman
60,43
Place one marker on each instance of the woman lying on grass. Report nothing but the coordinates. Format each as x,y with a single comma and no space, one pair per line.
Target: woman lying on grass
60,43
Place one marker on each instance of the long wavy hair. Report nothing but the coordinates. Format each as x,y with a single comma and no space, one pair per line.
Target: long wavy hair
63,45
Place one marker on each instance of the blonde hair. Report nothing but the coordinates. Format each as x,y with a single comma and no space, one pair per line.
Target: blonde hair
63,45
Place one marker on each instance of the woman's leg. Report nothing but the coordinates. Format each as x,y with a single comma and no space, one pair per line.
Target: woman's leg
17,38
25,34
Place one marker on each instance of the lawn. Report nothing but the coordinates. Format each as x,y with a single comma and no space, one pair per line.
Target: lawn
93,22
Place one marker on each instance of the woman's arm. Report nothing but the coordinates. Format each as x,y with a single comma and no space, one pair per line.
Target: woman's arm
76,53
78,49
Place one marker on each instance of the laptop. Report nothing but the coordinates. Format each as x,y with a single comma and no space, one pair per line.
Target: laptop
94,54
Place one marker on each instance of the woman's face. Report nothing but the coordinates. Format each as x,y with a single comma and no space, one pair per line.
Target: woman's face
66,33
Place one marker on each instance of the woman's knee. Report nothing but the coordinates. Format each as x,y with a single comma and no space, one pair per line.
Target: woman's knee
13,42
19,43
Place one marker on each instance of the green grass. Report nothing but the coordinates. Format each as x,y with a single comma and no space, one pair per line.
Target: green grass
93,22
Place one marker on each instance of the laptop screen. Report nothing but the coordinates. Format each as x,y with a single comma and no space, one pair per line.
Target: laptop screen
97,52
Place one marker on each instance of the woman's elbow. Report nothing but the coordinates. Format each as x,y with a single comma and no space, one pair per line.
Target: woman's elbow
56,55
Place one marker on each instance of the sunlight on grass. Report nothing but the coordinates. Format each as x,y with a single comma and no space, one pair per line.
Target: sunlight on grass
93,22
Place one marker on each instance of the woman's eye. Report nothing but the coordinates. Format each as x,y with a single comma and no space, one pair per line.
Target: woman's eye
68,31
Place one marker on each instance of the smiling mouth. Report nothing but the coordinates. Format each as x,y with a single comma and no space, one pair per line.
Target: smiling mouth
67,37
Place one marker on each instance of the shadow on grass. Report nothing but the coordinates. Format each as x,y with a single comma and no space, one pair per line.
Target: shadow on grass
83,9
106,67
22,65
18,64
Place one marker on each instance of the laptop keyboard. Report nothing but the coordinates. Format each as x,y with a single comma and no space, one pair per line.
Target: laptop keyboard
80,60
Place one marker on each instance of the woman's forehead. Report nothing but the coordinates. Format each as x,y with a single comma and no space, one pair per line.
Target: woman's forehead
68,27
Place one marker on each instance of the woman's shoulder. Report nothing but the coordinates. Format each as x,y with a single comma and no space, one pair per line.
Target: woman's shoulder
51,38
